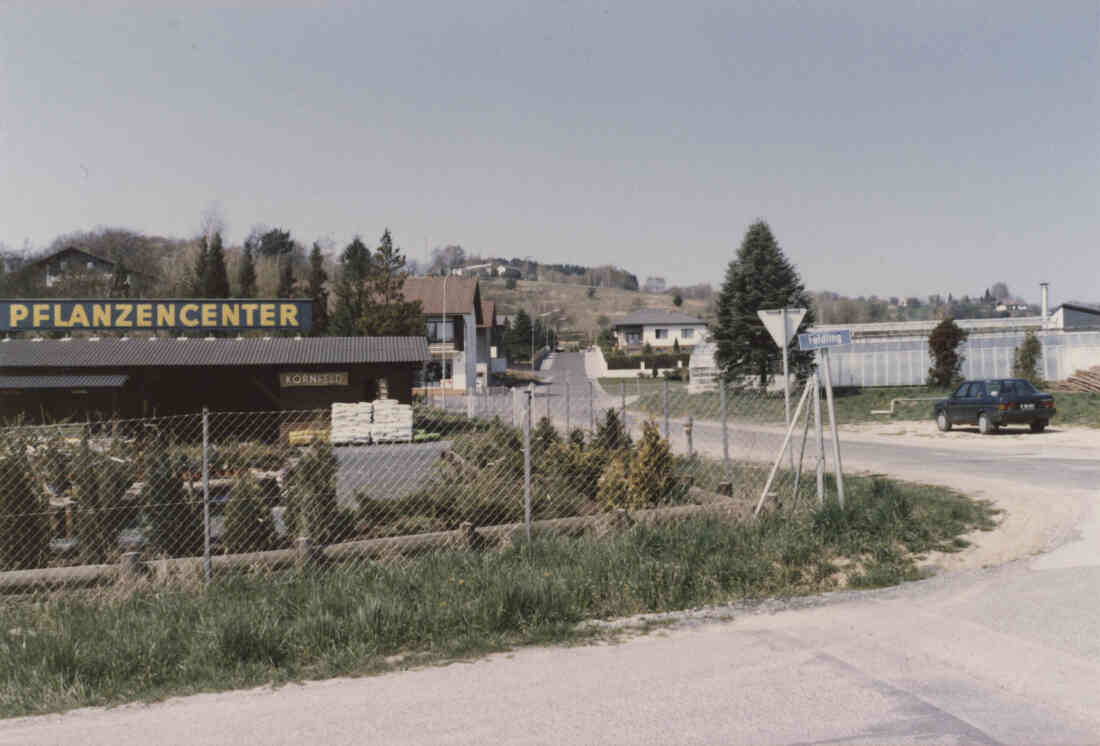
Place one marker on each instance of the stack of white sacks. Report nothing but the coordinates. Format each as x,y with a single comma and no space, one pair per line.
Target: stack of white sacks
352,422
393,421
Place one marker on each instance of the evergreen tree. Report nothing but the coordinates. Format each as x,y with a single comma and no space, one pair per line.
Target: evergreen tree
216,279
120,281
198,282
517,340
943,344
317,291
351,289
99,488
246,277
677,300
1027,359
386,312
650,478
759,277
275,243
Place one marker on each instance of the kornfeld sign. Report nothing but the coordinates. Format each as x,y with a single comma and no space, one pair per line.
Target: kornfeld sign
290,380
123,315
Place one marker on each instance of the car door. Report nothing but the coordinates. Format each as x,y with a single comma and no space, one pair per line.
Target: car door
977,401
957,404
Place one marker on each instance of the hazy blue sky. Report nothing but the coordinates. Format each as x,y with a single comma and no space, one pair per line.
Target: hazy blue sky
895,148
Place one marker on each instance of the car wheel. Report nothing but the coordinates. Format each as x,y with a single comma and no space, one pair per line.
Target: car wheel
985,427
942,422
1038,427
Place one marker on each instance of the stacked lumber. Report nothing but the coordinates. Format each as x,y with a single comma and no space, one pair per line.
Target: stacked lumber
1084,380
393,421
352,422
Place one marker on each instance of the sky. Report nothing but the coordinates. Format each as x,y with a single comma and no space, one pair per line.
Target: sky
898,148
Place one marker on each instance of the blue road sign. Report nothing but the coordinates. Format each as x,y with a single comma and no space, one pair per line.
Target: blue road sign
821,340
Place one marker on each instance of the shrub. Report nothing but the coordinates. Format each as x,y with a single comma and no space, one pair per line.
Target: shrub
311,508
651,479
99,484
543,437
943,344
1027,359
175,522
610,434
249,526
24,529
613,489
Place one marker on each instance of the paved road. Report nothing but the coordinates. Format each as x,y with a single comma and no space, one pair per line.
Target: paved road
1009,654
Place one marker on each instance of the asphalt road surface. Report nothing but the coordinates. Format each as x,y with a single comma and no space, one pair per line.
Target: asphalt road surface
1008,654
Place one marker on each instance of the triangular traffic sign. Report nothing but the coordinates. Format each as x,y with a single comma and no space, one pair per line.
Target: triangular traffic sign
773,322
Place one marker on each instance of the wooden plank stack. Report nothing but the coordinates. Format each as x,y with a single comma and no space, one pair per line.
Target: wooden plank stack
1085,380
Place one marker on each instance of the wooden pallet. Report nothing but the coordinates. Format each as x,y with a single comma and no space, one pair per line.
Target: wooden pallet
1085,380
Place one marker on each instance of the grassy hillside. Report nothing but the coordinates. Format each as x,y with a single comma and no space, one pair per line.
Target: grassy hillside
581,312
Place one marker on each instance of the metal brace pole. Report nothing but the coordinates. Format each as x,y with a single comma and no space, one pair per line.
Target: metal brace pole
206,493
820,438
832,423
782,452
666,409
592,406
622,397
527,461
725,430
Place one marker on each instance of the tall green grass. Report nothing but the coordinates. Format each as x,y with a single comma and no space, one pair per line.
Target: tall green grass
245,630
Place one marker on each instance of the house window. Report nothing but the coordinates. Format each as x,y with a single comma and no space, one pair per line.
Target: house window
660,333
633,338
439,331
687,333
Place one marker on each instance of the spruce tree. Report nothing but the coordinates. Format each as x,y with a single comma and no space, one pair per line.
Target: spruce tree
1027,359
216,280
759,277
198,283
517,340
351,289
385,310
317,291
246,277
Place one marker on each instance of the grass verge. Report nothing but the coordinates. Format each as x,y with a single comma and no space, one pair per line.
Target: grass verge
853,406
155,641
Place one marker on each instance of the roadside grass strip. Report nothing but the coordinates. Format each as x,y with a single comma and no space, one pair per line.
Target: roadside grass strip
853,406
75,650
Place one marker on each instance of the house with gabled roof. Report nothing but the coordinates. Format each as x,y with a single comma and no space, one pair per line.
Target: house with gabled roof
453,311
659,329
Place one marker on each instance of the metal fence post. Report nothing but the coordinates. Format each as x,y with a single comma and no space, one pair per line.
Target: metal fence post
527,461
622,397
568,418
206,493
549,396
666,410
592,406
725,429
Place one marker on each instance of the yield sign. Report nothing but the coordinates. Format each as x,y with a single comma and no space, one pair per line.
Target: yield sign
782,323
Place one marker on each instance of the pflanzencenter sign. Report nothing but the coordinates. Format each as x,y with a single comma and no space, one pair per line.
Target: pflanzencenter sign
121,315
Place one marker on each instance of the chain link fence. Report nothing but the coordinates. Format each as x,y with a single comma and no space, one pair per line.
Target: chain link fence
192,498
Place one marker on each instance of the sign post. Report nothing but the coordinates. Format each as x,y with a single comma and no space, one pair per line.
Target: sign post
822,341
782,323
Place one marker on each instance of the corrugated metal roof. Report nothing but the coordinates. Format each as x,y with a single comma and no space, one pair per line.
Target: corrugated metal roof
63,382
161,351
657,316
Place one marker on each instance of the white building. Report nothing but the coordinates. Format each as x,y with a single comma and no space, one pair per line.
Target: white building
659,329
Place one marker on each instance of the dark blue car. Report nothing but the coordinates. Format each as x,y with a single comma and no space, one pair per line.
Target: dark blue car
992,403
